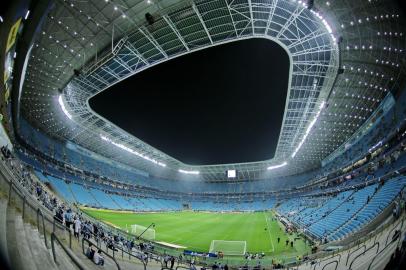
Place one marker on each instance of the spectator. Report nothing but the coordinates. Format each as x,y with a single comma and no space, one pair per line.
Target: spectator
59,215
68,218
97,258
90,252
166,259
77,225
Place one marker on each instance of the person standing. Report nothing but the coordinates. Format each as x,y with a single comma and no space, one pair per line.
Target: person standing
68,218
77,224
172,261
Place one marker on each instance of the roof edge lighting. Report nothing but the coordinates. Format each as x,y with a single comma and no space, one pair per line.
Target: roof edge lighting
309,128
188,172
65,111
277,166
325,23
126,148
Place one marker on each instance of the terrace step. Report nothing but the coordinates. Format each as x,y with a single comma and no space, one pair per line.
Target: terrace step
18,251
41,254
3,232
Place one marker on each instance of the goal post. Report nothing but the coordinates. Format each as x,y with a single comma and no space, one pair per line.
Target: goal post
228,247
137,230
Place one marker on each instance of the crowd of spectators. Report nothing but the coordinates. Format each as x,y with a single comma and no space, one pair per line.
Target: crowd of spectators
76,222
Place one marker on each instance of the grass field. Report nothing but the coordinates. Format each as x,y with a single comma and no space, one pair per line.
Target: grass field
196,230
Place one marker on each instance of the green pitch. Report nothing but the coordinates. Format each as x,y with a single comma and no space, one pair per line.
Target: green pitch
196,230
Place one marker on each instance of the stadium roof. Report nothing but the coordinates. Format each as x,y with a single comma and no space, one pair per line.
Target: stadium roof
345,56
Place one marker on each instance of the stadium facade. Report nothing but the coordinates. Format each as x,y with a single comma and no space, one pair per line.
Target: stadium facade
338,170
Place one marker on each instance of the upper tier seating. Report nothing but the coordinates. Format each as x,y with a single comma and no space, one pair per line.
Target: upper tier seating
336,217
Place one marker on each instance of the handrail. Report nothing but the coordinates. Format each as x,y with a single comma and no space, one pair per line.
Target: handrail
182,267
39,213
367,237
67,251
108,255
352,252
390,243
54,224
394,227
14,187
363,253
328,258
18,188
335,261
122,251
110,228
22,194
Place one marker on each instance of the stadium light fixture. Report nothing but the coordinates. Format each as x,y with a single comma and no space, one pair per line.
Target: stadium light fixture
188,172
27,14
128,149
325,23
374,147
65,111
309,128
277,166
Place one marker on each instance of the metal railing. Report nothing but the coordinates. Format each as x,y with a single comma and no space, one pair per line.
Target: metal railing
28,200
105,253
54,224
67,251
335,261
363,253
39,213
326,259
352,252
14,188
390,232
120,248
386,246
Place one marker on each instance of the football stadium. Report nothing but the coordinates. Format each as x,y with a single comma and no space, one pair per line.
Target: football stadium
203,134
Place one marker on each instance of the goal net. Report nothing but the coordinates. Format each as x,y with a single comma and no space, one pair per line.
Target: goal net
228,247
137,230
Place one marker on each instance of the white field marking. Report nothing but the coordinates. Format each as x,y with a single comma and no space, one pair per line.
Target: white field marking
269,232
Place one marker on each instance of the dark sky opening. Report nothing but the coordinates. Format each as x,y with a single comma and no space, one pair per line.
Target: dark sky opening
220,105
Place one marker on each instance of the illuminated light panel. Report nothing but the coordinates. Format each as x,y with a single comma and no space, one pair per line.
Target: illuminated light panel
188,172
325,23
65,111
231,173
277,166
27,14
122,146
375,146
309,128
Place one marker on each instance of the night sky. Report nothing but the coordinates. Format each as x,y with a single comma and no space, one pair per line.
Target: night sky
220,105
